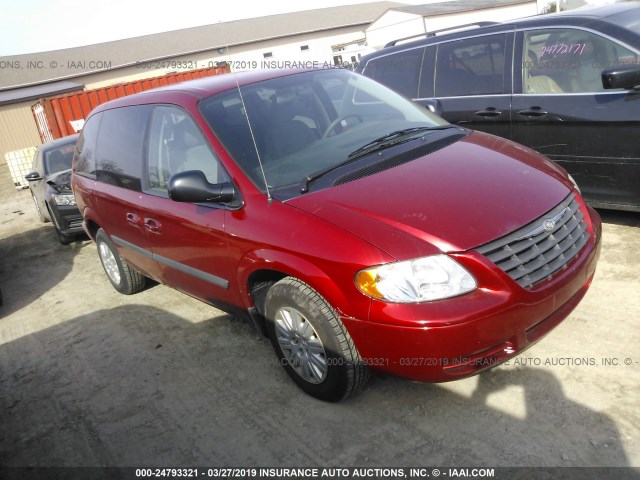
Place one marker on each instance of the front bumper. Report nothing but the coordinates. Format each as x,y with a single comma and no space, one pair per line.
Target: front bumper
67,218
455,338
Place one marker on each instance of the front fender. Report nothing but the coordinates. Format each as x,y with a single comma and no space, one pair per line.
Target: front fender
344,297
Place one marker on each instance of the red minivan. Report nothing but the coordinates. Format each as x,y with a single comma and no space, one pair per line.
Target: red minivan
357,229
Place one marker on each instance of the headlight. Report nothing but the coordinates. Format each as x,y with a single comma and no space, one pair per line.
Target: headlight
574,183
419,280
63,199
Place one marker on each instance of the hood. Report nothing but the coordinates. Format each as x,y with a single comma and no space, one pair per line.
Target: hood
60,181
458,198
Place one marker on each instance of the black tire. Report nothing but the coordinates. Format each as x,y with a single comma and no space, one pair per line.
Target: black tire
343,374
124,279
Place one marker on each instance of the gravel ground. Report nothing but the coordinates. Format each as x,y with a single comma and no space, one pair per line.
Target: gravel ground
89,377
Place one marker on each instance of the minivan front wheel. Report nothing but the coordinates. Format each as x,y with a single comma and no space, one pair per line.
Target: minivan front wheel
311,342
124,279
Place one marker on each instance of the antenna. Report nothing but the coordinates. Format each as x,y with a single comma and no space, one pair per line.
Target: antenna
246,113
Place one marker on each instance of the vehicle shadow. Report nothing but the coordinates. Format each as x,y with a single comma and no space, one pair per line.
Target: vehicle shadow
518,417
32,263
137,385
618,217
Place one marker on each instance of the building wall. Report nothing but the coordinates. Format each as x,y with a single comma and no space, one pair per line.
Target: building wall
18,130
240,57
392,26
500,14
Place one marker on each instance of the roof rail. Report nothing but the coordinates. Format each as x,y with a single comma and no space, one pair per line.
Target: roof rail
436,32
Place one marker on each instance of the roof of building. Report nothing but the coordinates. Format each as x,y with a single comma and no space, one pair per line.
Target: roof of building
457,6
43,67
38,91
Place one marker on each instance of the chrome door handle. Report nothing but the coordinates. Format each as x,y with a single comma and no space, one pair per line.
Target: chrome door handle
133,219
533,112
152,225
489,112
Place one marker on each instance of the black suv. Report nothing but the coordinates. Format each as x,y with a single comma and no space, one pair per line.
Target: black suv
566,85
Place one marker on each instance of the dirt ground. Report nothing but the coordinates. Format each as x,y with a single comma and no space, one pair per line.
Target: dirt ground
89,377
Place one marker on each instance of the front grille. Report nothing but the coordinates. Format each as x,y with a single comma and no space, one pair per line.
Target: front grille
538,250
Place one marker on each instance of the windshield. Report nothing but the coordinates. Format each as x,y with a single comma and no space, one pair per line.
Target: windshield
58,159
308,122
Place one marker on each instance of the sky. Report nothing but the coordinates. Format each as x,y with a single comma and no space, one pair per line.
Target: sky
28,26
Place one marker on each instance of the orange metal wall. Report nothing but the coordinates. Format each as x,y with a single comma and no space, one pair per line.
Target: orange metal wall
61,111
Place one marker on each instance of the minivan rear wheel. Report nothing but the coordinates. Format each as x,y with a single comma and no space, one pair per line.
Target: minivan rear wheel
124,279
311,342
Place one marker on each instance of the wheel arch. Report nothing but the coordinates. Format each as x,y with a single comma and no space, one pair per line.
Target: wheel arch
91,222
91,227
262,268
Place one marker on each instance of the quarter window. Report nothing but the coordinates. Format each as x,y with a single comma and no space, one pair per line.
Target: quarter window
567,60
120,146
399,71
473,66
176,144
84,161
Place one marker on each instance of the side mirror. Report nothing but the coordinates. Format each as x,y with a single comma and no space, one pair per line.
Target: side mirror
33,176
434,106
627,77
192,187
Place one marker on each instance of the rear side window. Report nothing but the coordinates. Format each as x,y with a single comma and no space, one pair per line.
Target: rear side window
121,146
84,161
399,71
473,66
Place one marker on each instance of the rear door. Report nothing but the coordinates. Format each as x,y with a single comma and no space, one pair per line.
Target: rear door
471,78
119,158
561,110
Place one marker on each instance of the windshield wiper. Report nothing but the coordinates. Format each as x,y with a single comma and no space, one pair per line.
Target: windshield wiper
393,138
306,181
380,143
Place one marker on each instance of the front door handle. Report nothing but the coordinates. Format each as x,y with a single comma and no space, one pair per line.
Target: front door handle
152,225
489,112
533,112
133,219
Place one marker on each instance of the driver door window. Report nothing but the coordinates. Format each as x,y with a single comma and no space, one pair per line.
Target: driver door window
567,60
176,144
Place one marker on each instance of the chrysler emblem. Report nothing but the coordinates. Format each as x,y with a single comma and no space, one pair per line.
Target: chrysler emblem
549,224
